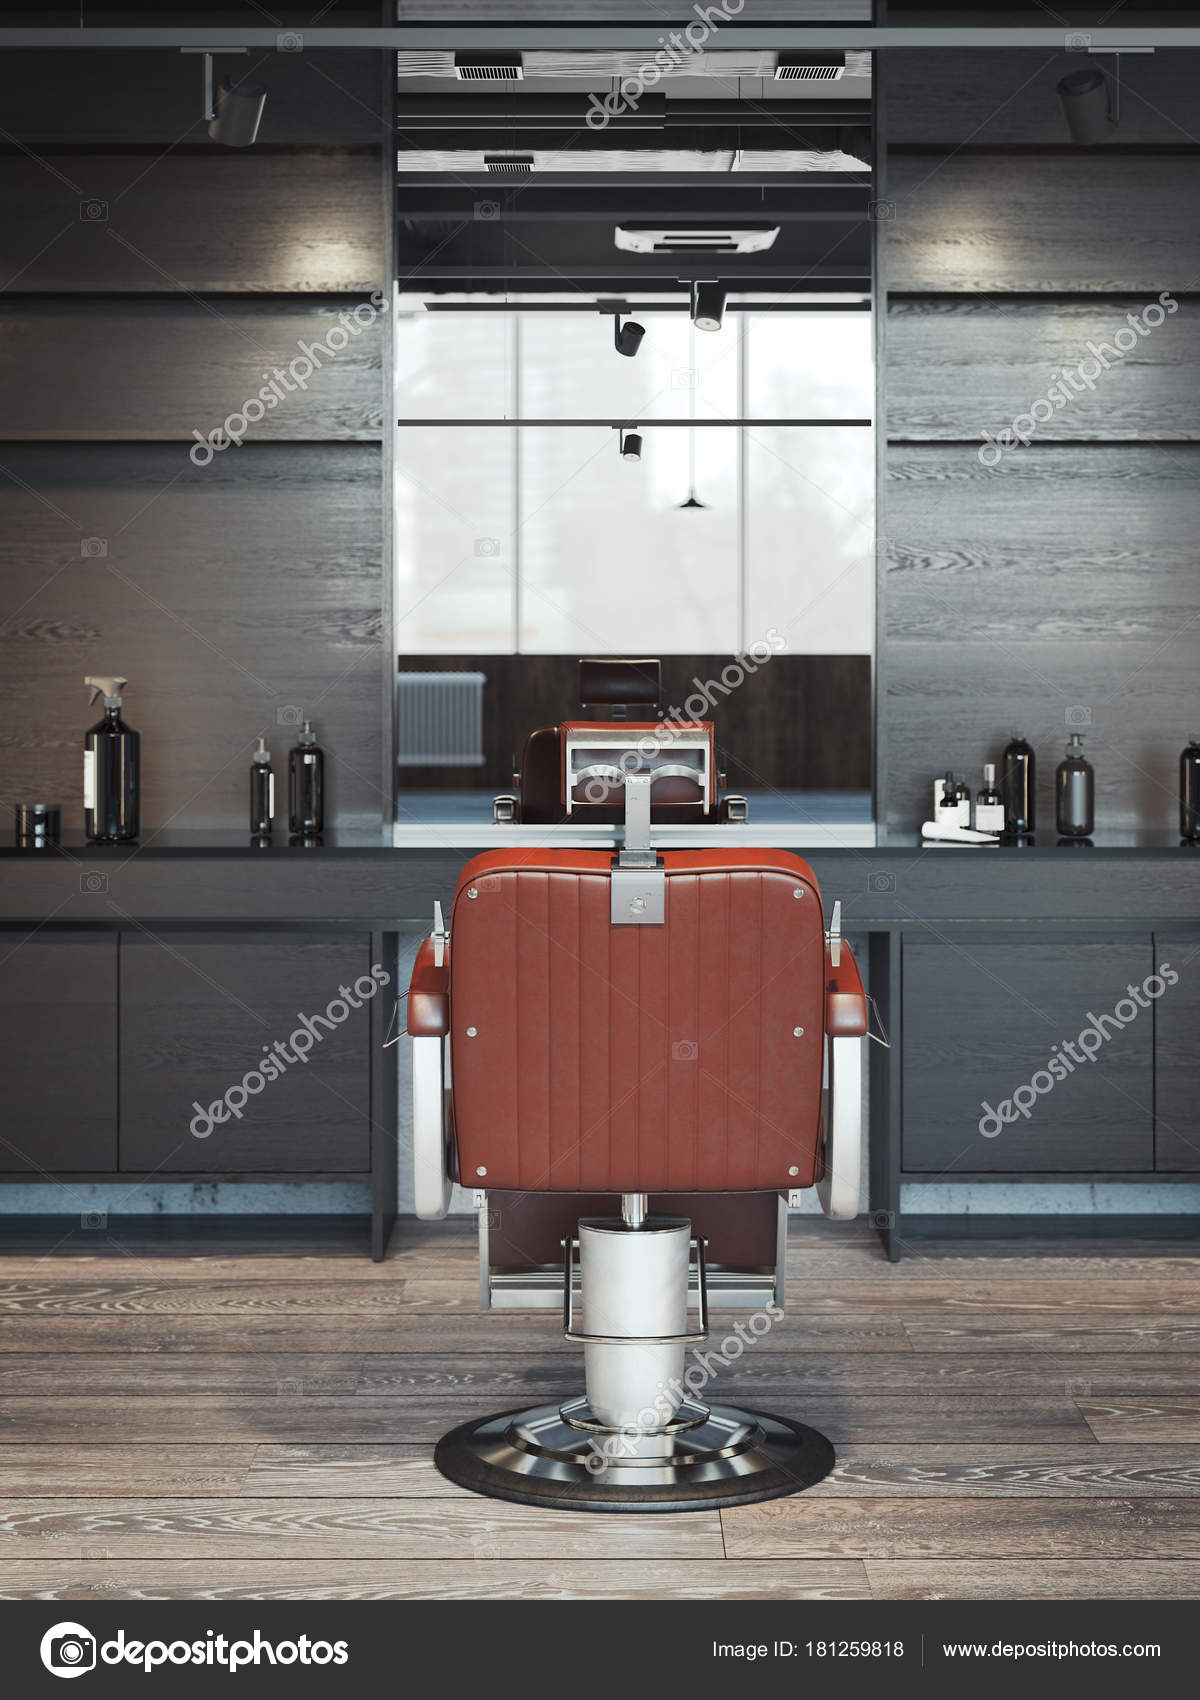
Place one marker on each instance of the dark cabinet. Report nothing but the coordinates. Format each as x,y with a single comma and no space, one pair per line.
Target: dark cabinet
1177,1054
991,1024
58,1052
202,1015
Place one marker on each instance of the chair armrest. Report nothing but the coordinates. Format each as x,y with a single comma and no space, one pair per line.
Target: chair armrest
845,1000
429,995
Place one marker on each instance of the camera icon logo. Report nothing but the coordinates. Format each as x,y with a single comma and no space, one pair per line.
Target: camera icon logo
93,548
487,209
685,1050
685,378
487,546
1077,715
881,209
94,1219
93,212
1078,41
68,1649
93,884
880,882
291,41
289,715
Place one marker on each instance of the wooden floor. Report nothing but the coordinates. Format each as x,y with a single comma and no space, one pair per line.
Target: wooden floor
1012,1421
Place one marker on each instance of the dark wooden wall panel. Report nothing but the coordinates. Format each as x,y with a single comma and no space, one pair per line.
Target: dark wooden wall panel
227,595
1085,221
1063,581
959,366
1007,96
224,220
109,97
150,370
801,723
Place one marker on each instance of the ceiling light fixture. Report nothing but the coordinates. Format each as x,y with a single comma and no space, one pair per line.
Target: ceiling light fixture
1088,105
708,304
630,443
238,113
809,67
234,115
489,67
627,339
693,502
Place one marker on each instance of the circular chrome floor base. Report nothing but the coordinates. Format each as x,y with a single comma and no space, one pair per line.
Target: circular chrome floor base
558,1455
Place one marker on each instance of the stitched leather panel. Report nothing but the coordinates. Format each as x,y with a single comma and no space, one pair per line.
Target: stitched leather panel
655,1059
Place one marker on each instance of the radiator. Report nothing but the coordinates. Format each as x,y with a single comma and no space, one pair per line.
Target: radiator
439,719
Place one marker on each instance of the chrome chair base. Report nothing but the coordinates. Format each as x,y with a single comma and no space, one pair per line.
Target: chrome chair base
561,1456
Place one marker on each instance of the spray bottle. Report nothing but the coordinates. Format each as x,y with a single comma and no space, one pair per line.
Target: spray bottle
111,769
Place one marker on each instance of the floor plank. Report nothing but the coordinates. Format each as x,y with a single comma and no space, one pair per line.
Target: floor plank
973,1528
1067,1332
459,1527
528,1334
297,1416
919,1471
446,1579
1048,1579
116,1471
254,1294
1143,1420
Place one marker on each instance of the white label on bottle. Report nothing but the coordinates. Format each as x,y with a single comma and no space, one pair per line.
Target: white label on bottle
989,817
271,795
89,779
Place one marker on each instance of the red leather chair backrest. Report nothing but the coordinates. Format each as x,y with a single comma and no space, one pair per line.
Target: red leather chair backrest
637,1058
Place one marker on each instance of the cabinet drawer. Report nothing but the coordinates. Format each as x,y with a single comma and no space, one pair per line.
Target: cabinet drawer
201,1015
983,1018
58,1052
1177,1055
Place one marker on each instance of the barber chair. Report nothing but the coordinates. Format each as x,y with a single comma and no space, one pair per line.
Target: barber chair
574,773
635,1028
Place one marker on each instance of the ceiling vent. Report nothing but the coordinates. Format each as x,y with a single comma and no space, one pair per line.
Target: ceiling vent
508,168
809,67
488,67
642,239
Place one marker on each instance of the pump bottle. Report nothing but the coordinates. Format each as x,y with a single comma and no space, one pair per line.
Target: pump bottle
306,784
262,790
1075,792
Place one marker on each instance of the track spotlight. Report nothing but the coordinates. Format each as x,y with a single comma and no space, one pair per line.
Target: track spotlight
238,114
708,304
1087,105
631,445
627,339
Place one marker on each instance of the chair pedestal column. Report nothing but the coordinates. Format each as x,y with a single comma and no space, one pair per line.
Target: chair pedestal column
635,1441
635,1287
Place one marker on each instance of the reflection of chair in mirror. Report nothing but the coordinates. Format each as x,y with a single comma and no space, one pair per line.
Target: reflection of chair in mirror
625,1037
576,771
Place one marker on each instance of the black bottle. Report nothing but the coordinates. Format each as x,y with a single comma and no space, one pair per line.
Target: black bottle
306,784
262,790
1075,792
111,770
1017,780
1189,790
